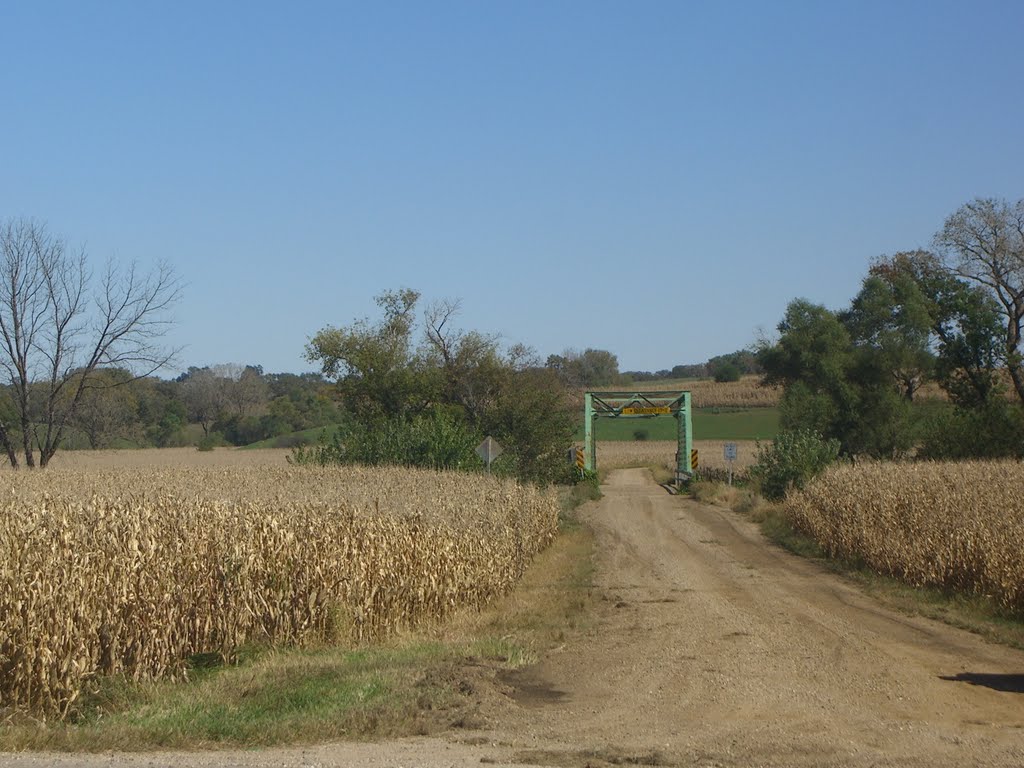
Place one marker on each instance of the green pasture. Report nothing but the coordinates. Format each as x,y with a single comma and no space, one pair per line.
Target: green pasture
708,424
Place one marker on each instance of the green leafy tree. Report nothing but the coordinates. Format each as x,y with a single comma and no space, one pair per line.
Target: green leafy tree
964,326
589,368
834,387
793,459
744,361
375,365
890,321
727,372
452,388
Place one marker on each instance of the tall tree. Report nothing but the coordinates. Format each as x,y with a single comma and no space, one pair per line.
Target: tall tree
889,319
589,368
58,327
983,241
376,364
964,323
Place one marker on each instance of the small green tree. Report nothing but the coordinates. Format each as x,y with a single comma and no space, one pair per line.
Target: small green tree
727,372
791,461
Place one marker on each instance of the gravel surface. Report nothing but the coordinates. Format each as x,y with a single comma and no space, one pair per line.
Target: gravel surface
710,647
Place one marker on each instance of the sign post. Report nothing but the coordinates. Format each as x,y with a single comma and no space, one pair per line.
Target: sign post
489,450
729,452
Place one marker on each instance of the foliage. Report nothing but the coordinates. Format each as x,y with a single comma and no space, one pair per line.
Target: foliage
435,441
108,410
791,461
589,368
990,431
853,375
454,388
376,366
533,420
727,372
209,442
744,361
963,324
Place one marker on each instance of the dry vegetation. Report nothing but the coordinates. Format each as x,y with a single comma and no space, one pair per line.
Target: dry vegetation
707,393
167,458
615,454
749,393
131,572
955,526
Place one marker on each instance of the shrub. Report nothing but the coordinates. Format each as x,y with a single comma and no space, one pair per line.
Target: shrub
995,430
794,458
727,372
434,441
208,442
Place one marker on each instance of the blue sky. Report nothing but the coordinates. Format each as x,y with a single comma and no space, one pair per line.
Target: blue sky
656,179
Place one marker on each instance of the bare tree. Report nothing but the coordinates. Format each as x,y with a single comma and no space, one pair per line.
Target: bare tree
205,396
471,362
108,409
983,242
247,389
225,389
57,329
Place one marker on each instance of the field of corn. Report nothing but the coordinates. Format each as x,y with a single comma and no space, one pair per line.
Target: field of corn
708,393
952,525
615,454
132,571
747,392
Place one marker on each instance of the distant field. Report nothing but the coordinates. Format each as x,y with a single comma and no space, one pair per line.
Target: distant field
662,453
708,424
708,393
166,458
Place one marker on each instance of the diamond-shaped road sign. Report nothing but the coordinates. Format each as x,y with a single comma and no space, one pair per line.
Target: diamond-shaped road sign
489,450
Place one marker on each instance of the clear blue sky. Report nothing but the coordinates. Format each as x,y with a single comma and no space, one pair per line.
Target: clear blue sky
656,179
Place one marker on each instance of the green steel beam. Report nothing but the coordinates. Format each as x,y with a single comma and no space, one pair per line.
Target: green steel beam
589,457
612,404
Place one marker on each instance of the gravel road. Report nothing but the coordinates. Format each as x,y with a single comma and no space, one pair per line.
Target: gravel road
710,647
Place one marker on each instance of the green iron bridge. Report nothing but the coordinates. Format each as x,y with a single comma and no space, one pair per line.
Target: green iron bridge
640,405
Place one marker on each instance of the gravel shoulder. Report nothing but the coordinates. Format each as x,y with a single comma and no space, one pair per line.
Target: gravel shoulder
710,647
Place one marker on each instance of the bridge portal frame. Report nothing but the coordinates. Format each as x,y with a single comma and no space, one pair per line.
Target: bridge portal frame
640,405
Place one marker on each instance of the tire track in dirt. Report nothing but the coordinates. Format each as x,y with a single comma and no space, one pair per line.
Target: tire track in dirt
713,645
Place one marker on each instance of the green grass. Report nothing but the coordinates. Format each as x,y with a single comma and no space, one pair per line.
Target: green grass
296,696
708,424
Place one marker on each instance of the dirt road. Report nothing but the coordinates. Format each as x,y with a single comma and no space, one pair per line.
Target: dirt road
712,648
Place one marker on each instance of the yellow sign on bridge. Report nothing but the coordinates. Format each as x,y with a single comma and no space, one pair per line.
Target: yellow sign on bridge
651,411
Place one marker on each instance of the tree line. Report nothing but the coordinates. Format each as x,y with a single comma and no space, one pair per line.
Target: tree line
950,316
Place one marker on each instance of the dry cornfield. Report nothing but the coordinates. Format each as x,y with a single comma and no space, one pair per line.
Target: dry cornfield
707,393
166,458
131,572
953,525
615,454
